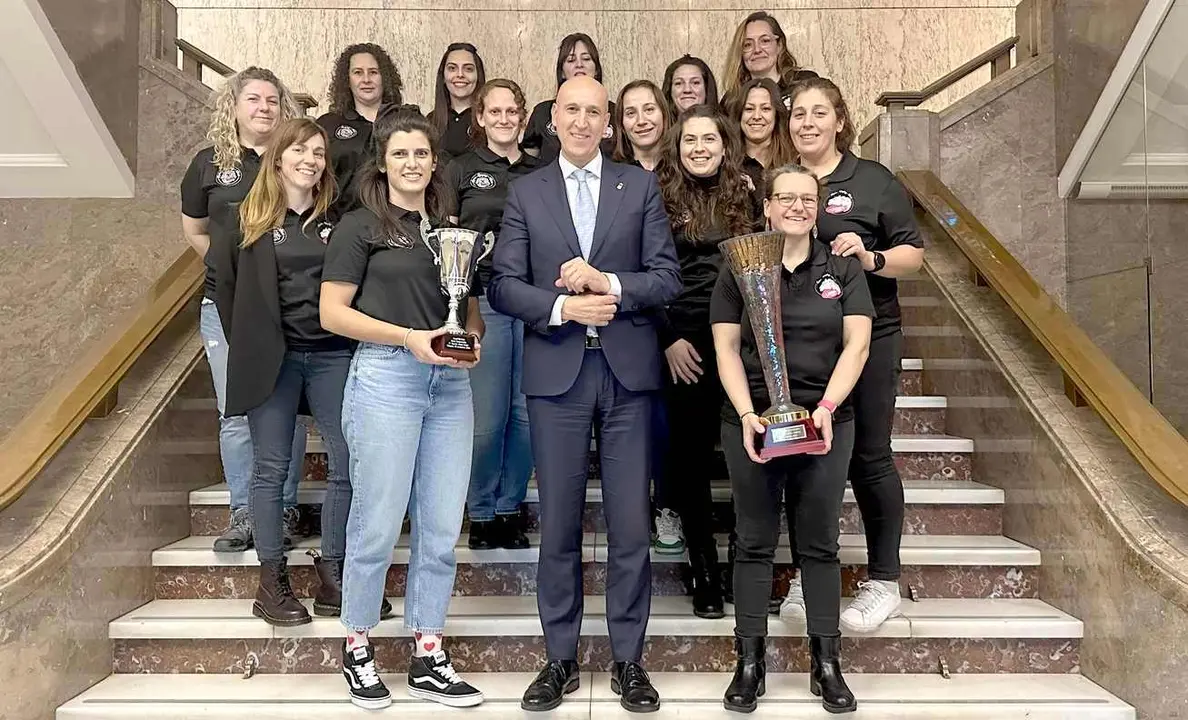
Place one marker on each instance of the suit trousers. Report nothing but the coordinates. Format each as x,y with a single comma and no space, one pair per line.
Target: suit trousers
561,427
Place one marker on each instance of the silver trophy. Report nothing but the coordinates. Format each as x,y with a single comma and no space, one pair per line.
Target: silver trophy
457,252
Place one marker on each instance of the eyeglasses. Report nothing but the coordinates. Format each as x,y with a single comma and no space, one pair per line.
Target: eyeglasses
787,200
764,41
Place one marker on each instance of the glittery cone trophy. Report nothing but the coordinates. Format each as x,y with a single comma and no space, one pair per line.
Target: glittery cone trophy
756,261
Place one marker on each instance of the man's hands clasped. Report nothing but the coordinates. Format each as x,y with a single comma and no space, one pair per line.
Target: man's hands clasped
591,303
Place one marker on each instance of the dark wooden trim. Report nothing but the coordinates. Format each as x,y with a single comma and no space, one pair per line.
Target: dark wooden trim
196,57
998,57
1090,377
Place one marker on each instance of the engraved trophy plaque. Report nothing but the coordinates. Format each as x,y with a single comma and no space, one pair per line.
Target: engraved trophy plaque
457,252
756,261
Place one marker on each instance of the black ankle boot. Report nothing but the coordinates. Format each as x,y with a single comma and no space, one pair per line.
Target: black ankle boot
328,600
707,585
275,602
825,679
750,675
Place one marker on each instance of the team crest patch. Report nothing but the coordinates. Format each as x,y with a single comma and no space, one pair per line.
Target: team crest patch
839,203
324,229
278,236
227,178
551,129
400,242
345,132
482,181
828,287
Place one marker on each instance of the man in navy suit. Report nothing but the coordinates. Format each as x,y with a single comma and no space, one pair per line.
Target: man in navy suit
584,257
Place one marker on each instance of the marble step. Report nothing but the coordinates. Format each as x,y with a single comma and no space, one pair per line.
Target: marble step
939,340
925,310
936,566
503,633
685,695
933,507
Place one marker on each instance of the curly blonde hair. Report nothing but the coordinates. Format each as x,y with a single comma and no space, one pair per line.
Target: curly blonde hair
223,131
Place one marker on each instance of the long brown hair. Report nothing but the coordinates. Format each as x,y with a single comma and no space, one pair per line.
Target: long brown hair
342,100
373,179
782,150
729,206
478,134
845,138
440,115
568,43
736,73
707,79
265,206
624,150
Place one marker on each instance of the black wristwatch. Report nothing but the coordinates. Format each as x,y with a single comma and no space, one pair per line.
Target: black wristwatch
880,261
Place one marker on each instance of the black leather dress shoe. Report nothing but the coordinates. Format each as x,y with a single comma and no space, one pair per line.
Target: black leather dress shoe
631,683
552,684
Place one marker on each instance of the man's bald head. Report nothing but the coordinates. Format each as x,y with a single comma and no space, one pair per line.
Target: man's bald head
581,118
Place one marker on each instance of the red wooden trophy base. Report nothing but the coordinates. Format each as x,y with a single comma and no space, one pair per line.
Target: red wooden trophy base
790,436
458,347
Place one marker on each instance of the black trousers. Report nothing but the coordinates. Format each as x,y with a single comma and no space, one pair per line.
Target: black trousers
560,427
817,485
877,486
694,421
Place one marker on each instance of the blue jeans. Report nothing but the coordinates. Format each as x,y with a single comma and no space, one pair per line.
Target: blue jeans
502,443
321,376
235,439
409,428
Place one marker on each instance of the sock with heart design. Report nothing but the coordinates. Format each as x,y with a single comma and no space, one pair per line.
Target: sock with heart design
426,643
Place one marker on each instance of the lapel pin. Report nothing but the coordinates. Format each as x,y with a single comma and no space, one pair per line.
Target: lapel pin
619,186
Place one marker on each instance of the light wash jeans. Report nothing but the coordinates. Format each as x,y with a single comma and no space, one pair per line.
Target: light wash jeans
235,439
409,428
502,443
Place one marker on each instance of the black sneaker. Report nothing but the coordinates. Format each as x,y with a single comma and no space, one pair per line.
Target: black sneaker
433,678
509,529
238,535
363,680
483,535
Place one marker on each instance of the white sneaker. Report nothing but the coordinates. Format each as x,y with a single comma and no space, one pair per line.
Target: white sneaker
793,606
877,600
670,540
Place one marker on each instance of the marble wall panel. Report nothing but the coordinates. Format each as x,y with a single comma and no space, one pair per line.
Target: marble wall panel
1112,309
73,267
868,46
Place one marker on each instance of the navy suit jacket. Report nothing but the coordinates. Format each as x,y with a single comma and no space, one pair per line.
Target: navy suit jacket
632,239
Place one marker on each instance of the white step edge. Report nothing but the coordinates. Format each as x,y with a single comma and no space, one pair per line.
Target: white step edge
689,696
494,616
912,364
899,444
960,550
915,492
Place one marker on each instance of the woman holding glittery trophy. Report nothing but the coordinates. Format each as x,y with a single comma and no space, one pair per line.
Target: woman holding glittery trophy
789,319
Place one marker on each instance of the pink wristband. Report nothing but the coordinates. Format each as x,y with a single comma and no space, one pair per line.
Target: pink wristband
828,405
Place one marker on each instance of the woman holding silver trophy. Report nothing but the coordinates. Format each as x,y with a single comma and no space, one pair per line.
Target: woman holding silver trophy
407,413
782,286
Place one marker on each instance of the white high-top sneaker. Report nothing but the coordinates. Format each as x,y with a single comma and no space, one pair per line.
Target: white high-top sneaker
793,606
877,600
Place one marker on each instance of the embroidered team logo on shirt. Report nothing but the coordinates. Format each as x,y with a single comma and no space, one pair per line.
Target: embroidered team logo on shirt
482,181
839,203
551,129
400,242
278,236
828,287
345,132
227,178
324,229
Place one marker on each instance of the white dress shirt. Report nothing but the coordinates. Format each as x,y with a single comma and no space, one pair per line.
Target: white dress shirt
594,182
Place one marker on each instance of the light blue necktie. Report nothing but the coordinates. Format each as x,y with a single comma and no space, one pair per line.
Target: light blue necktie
585,214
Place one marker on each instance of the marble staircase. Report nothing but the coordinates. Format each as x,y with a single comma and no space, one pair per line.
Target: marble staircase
974,641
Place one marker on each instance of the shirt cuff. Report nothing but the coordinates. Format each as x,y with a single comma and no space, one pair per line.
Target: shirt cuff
616,286
555,317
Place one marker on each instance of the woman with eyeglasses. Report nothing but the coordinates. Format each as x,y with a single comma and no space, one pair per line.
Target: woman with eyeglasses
688,81
868,216
760,49
459,76
576,56
825,312
708,199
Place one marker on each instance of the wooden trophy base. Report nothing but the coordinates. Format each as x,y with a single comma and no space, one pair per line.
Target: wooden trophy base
792,437
458,347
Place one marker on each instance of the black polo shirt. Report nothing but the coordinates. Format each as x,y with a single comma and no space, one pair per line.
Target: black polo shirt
480,179
350,147
863,197
300,254
207,192
541,134
813,300
455,140
398,279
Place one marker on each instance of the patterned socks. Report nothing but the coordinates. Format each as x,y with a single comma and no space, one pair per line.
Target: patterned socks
426,644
